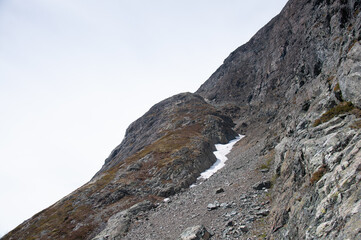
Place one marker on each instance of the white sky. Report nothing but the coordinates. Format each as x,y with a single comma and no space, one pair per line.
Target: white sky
75,73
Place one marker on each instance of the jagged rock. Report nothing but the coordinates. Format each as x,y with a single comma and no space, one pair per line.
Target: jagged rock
262,185
198,232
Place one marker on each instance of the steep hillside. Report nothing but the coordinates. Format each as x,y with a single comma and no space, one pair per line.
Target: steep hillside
295,90
163,152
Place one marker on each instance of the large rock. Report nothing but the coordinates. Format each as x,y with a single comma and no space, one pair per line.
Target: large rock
198,232
119,223
262,185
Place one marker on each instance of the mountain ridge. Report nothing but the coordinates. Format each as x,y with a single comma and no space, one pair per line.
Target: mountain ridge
294,90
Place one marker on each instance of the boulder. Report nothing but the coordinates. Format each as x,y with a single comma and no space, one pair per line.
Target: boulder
262,185
119,223
263,212
198,232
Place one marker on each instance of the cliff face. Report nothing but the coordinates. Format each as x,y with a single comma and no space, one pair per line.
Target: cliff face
284,62
293,89
300,76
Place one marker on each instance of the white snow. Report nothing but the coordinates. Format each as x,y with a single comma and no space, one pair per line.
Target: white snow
222,151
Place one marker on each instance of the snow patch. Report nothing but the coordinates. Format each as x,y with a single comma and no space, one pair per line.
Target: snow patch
220,153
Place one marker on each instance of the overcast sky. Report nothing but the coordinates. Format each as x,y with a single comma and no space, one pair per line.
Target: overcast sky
75,73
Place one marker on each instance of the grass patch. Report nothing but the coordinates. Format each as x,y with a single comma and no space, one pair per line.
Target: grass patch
274,179
58,221
343,107
269,160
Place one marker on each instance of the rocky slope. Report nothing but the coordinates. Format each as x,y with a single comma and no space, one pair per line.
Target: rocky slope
294,90
163,152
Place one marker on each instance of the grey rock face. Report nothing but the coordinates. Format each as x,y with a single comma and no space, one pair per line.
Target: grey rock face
350,75
330,207
309,45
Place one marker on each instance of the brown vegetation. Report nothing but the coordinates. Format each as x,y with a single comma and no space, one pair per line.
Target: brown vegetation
343,107
317,175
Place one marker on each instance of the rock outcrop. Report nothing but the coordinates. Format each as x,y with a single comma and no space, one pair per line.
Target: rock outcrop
294,90
318,193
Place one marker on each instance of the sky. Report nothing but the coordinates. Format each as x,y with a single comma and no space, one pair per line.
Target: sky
75,73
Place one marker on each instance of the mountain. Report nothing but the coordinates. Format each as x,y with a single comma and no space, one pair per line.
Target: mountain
294,90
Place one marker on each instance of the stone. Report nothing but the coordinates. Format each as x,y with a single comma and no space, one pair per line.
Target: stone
230,224
219,190
263,212
134,167
251,219
262,185
211,206
320,230
225,205
198,232
243,228
243,197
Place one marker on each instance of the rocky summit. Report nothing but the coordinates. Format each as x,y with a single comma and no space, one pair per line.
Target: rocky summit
294,90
